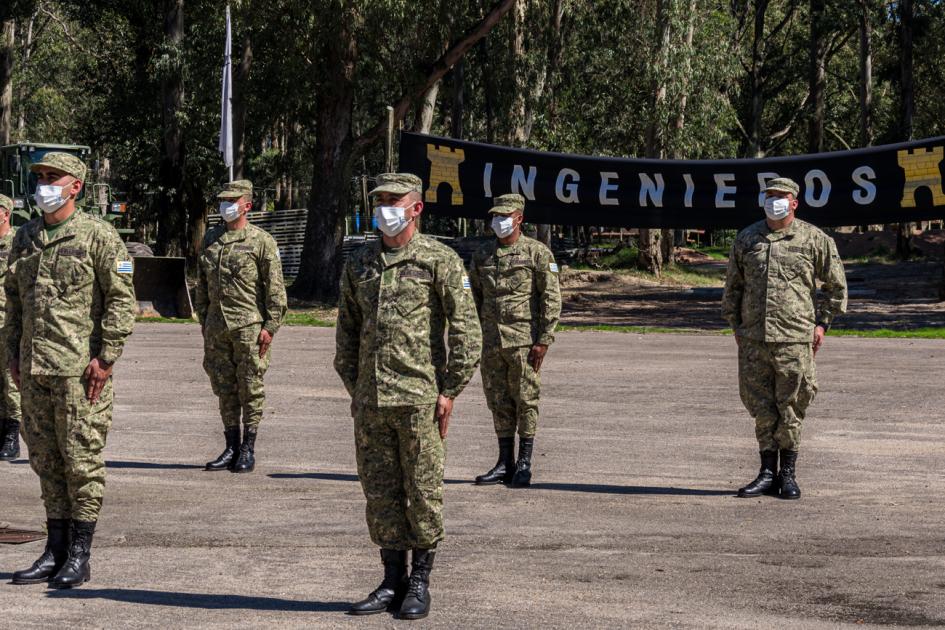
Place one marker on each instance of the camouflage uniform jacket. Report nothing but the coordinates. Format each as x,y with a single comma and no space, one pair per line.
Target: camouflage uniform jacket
516,292
70,296
6,248
770,289
399,311
240,274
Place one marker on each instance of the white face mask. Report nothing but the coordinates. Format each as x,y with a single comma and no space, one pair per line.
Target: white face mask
503,226
391,220
230,210
776,208
50,198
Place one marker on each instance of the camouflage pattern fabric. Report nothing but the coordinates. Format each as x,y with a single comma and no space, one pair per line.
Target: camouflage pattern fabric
239,271
9,394
236,190
400,463
65,436
231,360
70,296
771,285
512,388
517,294
777,383
398,312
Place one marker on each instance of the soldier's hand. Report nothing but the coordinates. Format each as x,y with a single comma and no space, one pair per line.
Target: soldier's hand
14,366
819,333
537,355
444,409
96,375
264,341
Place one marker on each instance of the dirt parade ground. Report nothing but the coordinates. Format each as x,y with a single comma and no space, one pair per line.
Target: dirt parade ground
631,521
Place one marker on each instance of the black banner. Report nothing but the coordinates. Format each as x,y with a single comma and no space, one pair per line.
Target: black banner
886,184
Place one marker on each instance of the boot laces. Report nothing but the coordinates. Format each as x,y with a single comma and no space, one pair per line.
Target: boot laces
415,586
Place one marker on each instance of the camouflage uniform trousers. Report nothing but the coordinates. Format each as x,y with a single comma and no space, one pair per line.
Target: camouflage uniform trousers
512,389
65,435
231,360
400,463
777,383
10,395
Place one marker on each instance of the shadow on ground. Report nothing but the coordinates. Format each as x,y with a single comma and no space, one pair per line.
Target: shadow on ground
209,601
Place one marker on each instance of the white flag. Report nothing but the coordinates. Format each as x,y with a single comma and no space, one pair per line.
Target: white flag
226,115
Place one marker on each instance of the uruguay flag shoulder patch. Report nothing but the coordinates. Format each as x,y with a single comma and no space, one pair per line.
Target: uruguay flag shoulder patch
466,284
553,267
125,266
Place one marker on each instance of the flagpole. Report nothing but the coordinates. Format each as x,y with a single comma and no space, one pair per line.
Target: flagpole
226,96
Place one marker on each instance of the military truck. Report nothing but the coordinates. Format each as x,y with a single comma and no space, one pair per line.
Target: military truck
160,281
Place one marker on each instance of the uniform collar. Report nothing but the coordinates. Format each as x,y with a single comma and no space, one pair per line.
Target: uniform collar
393,256
506,250
777,235
66,231
232,236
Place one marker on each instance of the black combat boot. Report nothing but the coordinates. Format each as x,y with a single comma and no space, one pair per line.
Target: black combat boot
389,595
504,468
417,602
766,481
247,458
229,454
77,571
789,489
523,467
54,556
10,440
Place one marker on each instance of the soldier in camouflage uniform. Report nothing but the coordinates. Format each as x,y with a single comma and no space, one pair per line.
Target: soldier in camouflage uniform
241,302
515,285
70,308
407,344
9,394
772,304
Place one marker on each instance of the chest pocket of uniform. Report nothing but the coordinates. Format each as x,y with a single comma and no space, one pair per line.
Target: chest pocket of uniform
413,289
366,289
241,264
73,270
756,260
520,278
797,262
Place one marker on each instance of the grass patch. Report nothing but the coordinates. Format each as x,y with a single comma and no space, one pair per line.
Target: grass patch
317,317
935,332
715,252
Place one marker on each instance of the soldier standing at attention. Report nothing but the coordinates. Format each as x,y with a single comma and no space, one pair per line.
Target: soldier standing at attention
771,303
241,302
407,344
9,394
515,285
70,308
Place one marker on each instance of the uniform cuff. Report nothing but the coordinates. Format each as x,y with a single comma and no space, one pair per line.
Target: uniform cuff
545,340
271,327
109,354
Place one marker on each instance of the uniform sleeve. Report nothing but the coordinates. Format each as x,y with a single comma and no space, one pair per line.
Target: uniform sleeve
734,289
832,297
549,297
464,335
348,333
113,271
13,323
475,281
276,300
202,296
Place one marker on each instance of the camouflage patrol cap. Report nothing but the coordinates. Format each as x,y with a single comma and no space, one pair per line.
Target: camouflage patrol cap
237,189
397,184
6,202
783,184
65,162
507,204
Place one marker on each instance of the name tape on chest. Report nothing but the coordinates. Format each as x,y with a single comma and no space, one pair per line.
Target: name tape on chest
416,274
124,266
243,248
